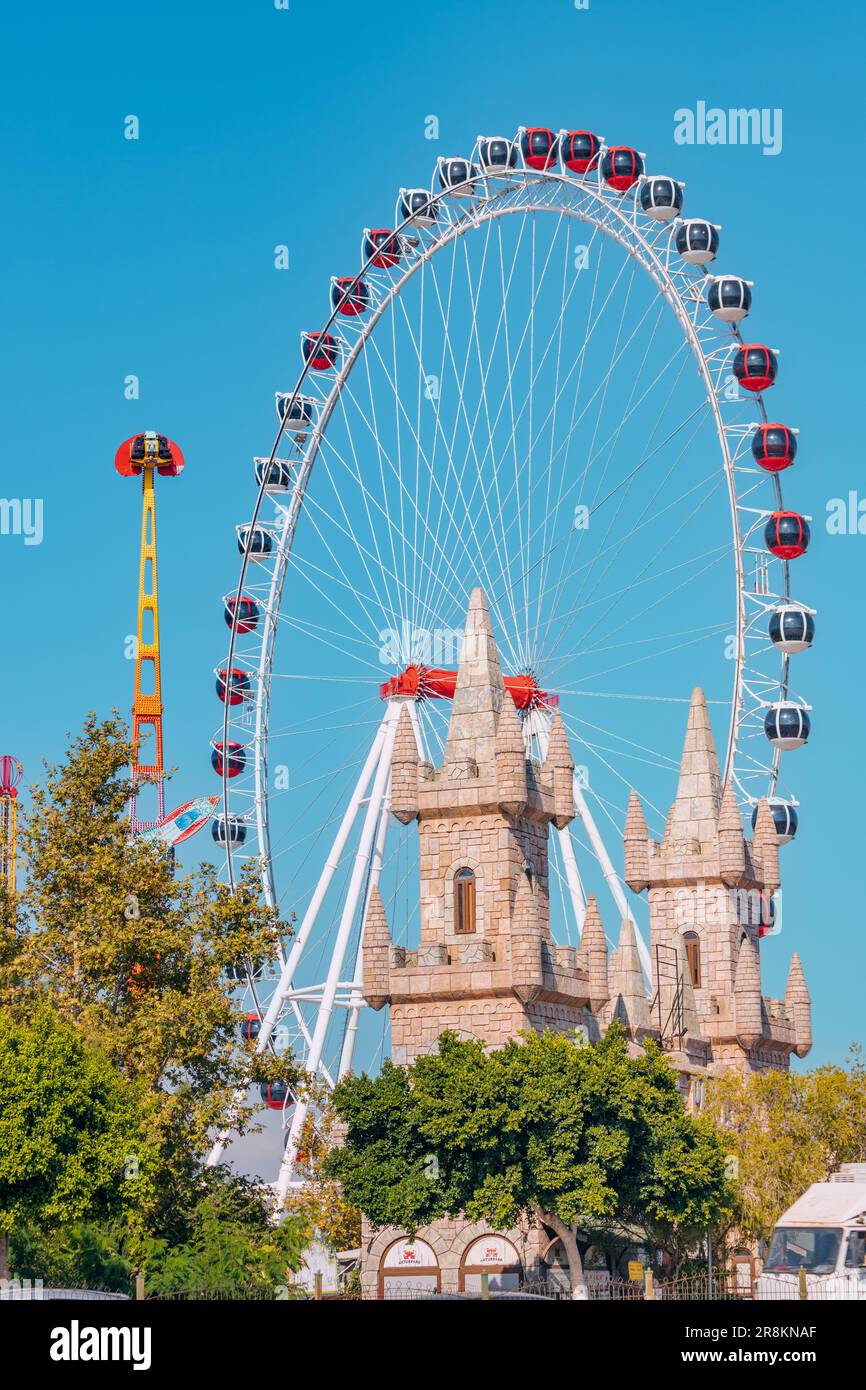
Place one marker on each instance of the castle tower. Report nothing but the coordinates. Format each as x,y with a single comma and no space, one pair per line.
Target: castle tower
485,966
708,889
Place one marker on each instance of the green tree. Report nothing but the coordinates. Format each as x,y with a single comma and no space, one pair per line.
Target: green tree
72,1131
541,1127
319,1201
786,1131
135,955
232,1245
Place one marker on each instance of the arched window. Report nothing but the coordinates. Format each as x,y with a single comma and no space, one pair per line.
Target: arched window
464,901
693,957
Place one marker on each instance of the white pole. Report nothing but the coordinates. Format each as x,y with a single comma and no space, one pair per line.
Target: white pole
572,877
357,998
610,874
537,726
350,907
332,863
541,729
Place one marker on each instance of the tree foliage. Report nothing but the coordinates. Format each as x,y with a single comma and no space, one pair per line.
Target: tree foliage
319,1202
72,1129
134,956
231,1245
540,1127
786,1131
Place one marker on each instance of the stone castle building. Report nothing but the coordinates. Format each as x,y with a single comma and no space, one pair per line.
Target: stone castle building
486,966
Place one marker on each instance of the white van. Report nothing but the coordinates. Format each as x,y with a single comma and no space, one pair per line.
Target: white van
823,1233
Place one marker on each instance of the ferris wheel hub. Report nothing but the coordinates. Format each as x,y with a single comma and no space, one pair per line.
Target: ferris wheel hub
430,683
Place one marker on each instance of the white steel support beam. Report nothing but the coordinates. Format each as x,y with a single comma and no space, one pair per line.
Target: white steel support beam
350,907
332,863
357,997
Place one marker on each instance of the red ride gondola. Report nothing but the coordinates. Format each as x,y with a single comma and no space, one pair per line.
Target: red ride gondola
774,447
579,150
234,763
349,296
320,350
381,248
787,535
755,367
538,147
235,684
621,167
247,611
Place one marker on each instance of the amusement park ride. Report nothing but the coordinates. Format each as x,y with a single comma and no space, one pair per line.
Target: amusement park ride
10,775
442,432
145,455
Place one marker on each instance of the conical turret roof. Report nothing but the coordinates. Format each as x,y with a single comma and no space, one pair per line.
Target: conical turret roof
695,812
479,692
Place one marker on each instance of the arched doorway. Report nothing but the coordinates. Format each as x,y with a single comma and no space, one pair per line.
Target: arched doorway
492,1255
408,1268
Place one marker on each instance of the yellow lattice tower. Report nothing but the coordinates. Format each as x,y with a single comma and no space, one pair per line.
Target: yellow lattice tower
10,775
148,454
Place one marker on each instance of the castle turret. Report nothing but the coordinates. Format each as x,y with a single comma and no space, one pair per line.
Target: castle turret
766,845
798,1006
526,934
377,951
559,767
748,1006
510,760
404,770
635,841
732,840
592,955
627,986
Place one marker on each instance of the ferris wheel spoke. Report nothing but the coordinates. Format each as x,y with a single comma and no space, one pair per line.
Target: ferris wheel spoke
514,487
644,575
596,752
466,510
693,640
464,503
376,558
392,574
623,488
641,519
651,755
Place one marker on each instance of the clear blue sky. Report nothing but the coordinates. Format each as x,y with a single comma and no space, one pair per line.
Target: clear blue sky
260,127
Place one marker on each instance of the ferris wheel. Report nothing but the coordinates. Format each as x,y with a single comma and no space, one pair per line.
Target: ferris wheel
536,382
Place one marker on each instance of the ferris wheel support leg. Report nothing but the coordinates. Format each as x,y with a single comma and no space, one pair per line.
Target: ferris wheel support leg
572,878
332,863
611,877
348,1049
350,907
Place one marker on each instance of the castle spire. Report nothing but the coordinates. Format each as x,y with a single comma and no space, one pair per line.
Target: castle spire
748,1007
593,955
798,1006
628,990
767,843
732,842
376,951
695,812
479,691
559,765
635,842
510,760
404,770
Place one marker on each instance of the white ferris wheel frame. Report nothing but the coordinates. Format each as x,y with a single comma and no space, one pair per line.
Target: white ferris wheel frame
459,210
